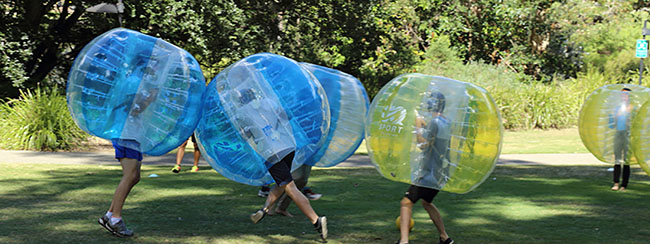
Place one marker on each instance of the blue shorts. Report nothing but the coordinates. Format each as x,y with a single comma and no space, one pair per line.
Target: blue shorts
125,152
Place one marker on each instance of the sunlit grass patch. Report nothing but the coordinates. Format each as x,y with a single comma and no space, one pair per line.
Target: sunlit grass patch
517,204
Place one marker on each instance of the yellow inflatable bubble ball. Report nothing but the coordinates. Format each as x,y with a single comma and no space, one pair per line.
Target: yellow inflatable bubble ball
641,137
605,121
434,132
397,223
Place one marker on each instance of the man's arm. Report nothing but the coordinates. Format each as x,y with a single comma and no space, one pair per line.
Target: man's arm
142,101
419,131
428,135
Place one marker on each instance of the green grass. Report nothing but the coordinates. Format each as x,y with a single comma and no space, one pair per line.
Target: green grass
517,204
543,141
533,141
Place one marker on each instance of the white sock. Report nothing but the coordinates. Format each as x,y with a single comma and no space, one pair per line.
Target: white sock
115,220
109,214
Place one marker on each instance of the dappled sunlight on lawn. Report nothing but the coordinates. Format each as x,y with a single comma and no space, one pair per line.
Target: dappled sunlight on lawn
471,221
517,204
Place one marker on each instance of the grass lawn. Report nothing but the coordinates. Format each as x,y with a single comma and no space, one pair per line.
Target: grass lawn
543,141
517,204
534,141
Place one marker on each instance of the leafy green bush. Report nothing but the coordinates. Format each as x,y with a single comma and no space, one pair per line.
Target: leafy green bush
38,120
524,102
607,31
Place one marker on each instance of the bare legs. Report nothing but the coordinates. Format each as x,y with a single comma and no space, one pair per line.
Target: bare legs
434,214
300,177
181,153
197,155
406,210
130,177
292,191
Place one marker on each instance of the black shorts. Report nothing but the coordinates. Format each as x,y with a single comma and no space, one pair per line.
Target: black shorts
281,171
193,139
416,192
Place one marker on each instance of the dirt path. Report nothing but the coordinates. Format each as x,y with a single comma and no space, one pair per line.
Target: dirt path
106,157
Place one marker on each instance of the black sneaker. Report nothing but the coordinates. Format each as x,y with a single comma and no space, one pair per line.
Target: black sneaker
397,242
119,229
257,216
448,241
321,227
103,221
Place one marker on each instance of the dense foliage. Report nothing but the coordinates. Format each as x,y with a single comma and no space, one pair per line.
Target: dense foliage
539,59
374,40
39,120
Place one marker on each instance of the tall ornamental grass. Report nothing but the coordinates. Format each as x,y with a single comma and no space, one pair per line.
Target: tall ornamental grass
38,120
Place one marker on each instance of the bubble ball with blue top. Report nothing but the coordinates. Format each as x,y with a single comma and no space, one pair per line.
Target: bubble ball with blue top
349,103
258,110
136,90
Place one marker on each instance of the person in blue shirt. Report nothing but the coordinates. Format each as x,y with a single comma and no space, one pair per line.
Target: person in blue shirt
621,140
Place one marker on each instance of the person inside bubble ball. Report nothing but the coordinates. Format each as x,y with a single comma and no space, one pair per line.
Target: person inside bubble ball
127,154
433,139
261,121
131,161
621,121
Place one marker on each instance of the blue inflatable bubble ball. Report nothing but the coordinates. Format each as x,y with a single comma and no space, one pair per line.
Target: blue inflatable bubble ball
257,111
136,90
349,103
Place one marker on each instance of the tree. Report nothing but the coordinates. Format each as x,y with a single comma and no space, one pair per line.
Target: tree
40,39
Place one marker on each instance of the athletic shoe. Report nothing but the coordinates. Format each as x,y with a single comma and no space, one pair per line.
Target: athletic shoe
195,169
257,216
321,227
119,229
311,195
264,192
176,168
397,242
103,221
448,241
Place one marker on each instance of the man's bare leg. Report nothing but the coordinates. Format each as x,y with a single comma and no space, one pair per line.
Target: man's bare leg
434,214
130,177
405,211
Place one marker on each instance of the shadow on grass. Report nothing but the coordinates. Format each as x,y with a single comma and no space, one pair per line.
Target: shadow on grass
517,204
541,204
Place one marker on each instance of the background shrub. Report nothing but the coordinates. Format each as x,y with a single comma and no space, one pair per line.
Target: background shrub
524,102
39,120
